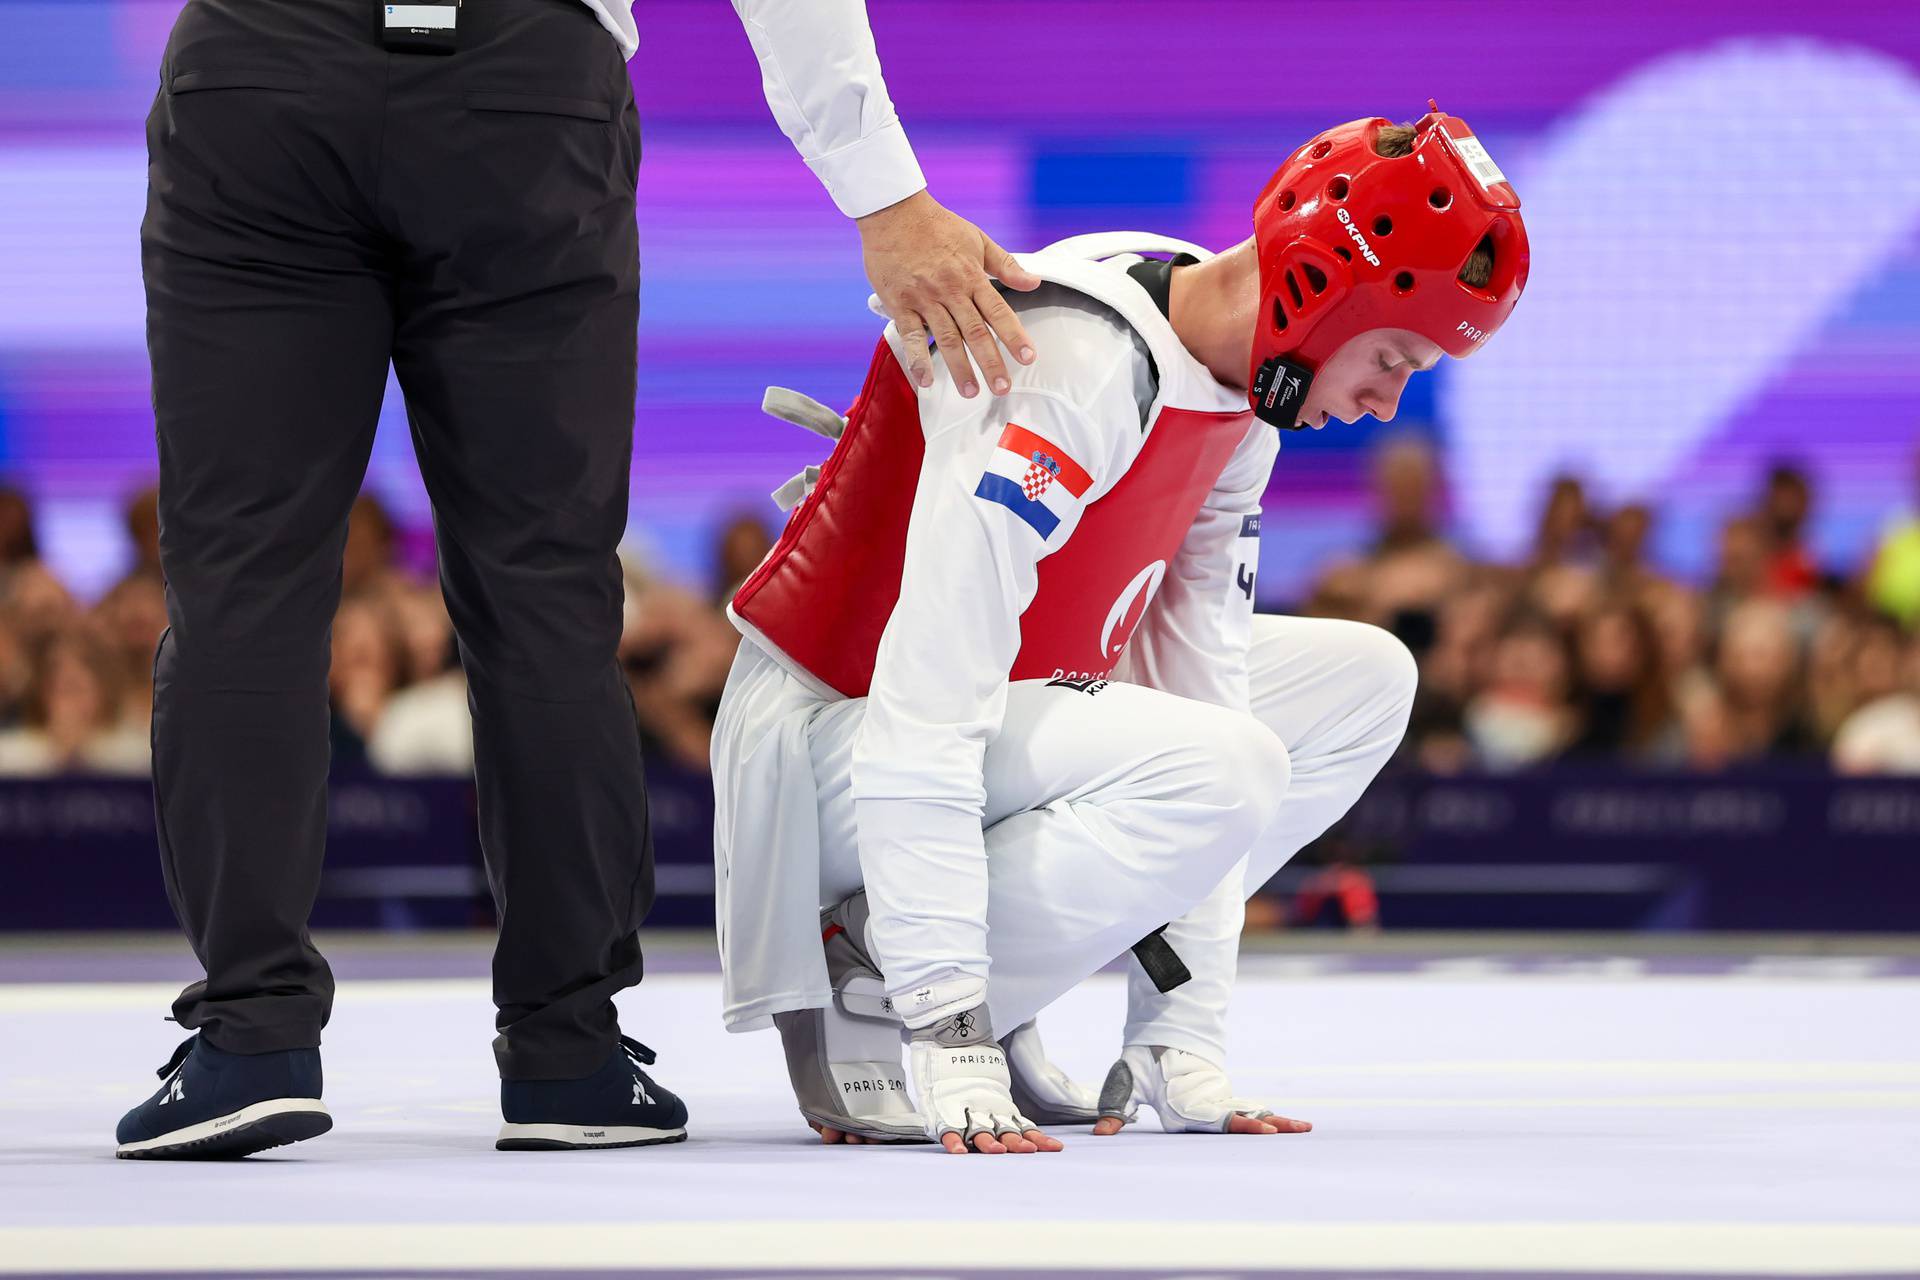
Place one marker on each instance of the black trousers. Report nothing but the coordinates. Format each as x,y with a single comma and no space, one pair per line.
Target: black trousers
318,207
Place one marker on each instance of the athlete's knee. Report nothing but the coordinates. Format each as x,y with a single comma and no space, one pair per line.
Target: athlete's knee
1378,671
1270,775
1250,778
1395,673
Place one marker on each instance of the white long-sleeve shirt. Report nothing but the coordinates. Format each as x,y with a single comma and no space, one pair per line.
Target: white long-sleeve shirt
821,74
940,680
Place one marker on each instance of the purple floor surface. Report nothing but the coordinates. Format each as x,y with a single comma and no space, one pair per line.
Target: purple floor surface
356,957
1474,1115
948,1273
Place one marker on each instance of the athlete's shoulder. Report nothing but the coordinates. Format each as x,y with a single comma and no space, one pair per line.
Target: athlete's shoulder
1106,306
1089,355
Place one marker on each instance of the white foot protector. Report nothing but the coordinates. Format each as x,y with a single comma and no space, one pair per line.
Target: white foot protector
1040,1089
1187,1092
960,1079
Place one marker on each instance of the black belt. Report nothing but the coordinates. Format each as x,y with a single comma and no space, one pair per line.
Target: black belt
1160,961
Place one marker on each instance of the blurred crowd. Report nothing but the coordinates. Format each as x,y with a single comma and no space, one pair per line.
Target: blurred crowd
1581,651
1584,651
76,680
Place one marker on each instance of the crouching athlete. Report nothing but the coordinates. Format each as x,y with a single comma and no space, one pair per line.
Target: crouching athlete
1003,709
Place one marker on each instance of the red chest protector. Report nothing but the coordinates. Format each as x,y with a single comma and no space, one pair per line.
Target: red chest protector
823,595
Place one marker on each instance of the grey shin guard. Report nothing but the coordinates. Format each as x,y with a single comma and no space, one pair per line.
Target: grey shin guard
847,1074
845,1060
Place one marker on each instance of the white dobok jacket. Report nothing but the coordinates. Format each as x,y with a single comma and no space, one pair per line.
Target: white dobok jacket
1100,520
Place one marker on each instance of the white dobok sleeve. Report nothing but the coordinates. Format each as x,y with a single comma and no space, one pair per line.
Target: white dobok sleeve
1193,642
821,74
974,544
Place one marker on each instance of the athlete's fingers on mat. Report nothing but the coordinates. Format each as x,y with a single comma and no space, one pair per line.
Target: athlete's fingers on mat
954,1143
1107,1126
1242,1123
988,1145
1014,1142
1044,1142
1005,324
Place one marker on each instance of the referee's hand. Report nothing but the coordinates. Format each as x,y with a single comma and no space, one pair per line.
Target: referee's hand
929,267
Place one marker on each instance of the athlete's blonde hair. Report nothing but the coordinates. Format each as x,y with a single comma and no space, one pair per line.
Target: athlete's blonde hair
1397,140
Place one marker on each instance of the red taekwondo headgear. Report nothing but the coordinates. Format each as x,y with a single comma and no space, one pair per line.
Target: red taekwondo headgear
1351,240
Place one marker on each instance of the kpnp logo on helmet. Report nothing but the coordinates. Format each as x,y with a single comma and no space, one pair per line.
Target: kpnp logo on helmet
1366,250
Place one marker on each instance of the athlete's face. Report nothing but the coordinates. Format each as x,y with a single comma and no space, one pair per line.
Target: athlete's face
1366,376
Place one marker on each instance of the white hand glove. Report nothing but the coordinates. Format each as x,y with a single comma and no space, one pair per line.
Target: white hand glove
1188,1093
1041,1089
960,1079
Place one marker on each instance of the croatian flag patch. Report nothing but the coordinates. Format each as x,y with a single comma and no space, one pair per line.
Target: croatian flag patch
1034,479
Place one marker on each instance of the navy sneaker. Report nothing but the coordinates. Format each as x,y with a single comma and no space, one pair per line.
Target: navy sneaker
221,1106
617,1106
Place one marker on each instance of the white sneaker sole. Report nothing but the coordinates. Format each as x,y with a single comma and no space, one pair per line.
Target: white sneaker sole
573,1137
273,1123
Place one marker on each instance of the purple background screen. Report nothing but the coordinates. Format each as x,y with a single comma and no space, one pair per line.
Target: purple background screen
1723,200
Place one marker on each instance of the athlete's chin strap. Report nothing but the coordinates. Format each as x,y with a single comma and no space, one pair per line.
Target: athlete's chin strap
1279,391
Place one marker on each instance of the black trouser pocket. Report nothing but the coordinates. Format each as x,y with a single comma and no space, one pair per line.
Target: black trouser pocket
198,81
541,104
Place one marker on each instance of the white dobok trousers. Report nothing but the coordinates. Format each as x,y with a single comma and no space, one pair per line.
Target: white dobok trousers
1110,814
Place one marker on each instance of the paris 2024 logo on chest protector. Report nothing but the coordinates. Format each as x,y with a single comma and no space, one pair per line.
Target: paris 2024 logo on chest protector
1129,608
